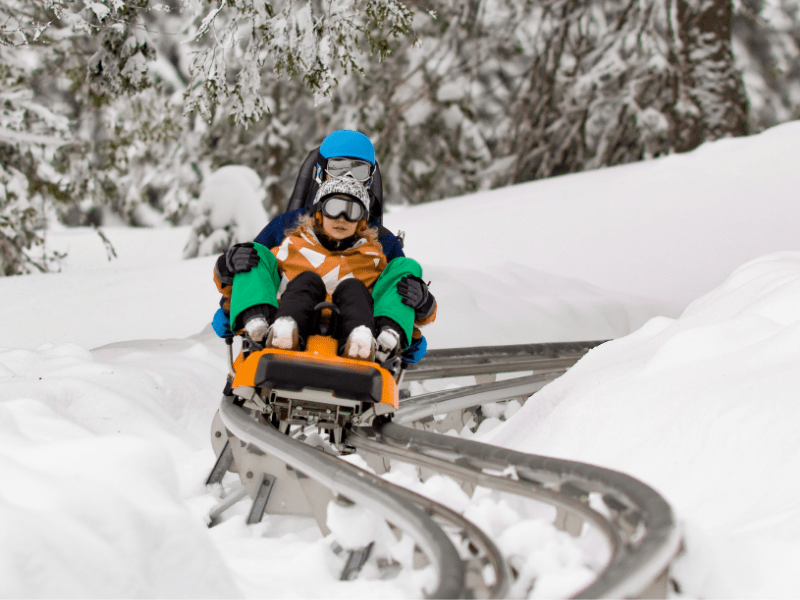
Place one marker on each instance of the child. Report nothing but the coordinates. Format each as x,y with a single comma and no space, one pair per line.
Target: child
332,254
343,153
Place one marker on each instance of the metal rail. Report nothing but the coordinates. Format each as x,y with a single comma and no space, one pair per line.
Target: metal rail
359,486
483,550
425,406
640,518
641,530
639,525
452,362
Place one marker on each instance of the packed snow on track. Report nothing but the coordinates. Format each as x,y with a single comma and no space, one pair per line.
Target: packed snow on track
110,376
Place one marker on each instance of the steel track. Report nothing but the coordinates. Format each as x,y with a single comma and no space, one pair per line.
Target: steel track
636,522
640,529
638,525
452,362
545,362
408,511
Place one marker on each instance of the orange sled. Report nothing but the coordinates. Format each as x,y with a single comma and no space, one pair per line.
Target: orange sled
315,388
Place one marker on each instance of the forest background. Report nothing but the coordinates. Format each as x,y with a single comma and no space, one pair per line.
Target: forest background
115,111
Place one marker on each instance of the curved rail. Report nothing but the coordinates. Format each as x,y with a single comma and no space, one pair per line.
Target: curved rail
641,531
360,486
425,406
452,362
636,521
483,549
650,536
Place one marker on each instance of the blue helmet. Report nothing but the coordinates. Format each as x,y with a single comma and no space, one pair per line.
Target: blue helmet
346,142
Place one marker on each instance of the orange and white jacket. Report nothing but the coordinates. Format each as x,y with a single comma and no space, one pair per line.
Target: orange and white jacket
302,251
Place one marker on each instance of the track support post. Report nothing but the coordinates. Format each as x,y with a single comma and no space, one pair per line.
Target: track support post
224,461
261,499
356,559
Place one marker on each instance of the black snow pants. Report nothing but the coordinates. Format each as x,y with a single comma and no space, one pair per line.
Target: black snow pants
305,291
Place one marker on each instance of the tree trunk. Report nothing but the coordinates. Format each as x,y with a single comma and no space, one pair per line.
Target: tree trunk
708,74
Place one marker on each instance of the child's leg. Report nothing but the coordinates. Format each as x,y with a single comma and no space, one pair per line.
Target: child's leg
388,302
354,301
298,300
259,286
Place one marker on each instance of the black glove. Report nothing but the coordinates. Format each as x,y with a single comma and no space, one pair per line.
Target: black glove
240,258
413,290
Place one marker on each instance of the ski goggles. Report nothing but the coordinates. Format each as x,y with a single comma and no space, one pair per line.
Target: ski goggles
339,205
358,169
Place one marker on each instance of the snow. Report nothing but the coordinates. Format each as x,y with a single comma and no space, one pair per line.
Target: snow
110,377
238,186
96,301
230,210
720,385
91,503
668,230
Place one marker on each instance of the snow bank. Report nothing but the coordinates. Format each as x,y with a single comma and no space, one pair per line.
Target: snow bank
104,454
147,291
513,304
705,409
670,229
90,504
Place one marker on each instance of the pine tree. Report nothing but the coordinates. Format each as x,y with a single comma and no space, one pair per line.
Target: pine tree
766,34
91,118
708,73
129,106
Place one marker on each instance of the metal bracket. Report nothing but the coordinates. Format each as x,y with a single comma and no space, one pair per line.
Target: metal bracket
376,410
224,461
230,500
356,559
261,499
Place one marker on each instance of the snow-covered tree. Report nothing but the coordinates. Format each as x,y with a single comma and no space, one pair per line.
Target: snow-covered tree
65,64
314,40
230,209
33,137
708,74
766,44
139,88
133,104
506,91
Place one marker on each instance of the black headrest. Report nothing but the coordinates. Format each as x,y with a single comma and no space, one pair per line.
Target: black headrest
305,187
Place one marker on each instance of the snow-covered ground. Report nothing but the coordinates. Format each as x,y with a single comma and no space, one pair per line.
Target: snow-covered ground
109,378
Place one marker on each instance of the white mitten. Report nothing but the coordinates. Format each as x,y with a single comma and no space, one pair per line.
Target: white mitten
284,334
257,328
388,344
